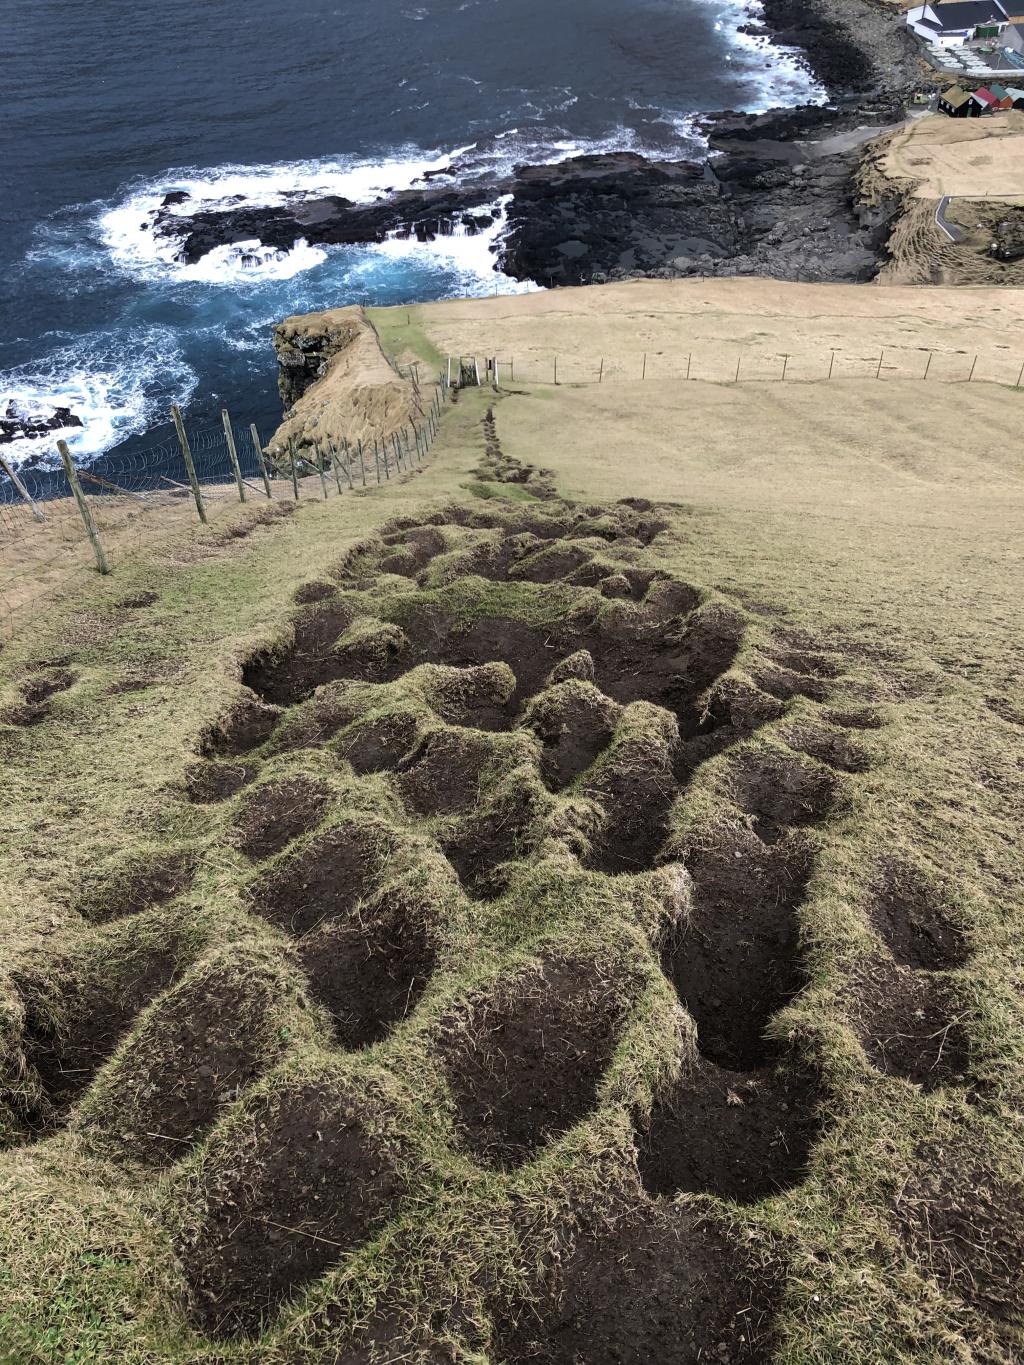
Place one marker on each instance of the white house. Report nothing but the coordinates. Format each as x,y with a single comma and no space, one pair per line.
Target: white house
952,23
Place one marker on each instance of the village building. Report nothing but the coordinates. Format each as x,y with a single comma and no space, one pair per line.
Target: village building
958,103
954,23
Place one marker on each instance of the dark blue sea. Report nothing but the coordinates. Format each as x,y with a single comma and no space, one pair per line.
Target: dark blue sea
106,106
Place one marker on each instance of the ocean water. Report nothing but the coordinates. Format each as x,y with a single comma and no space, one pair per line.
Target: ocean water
108,106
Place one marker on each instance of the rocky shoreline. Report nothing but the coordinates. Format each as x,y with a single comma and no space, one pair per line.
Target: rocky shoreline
775,196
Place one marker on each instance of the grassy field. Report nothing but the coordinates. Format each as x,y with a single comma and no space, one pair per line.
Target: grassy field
453,924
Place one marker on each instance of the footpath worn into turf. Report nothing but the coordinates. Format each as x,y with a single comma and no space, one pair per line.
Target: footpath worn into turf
506,962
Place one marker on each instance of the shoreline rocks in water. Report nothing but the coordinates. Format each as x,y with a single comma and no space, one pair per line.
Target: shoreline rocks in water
16,425
773,198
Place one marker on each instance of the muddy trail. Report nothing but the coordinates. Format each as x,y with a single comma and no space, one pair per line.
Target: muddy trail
467,713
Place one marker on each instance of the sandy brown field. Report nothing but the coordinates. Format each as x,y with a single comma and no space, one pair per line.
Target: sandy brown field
717,323
976,158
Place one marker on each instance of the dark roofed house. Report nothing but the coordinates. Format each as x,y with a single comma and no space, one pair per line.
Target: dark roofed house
1016,94
952,23
957,103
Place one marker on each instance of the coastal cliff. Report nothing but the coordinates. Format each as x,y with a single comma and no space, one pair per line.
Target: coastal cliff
336,384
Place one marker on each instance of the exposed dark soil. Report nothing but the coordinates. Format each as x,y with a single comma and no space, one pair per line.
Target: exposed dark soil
481,844
43,686
529,651
911,1024
309,1185
739,1135
194,1057
208,782
369,970
636,788
862,719
95,1017
550,564
835,748
444,774
317,591
309,660
780,793
159,879
323,880
643,1286
524,1065
964,1225
912,922
475,697
247,725
375,746
276,812
736,961
138,600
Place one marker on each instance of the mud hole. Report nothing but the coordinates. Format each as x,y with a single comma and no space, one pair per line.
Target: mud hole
911,1024
735,962
639,1286
301,1180
524,1065
739,1135
912,922
74,1026
275,813
322,881
369,970
205,1043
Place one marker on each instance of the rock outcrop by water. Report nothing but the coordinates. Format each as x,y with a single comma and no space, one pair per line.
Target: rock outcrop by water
15,425
777,196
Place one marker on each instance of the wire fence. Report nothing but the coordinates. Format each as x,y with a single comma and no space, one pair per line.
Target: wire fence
732,363
59,519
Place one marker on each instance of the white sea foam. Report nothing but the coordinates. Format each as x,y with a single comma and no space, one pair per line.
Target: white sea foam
777,73
469,256
128,232
109,383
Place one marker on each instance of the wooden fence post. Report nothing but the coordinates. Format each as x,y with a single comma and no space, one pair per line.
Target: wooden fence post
186,451
13,476
973,368
320,467
831,364
229,436
1019,377
335,461
262,462
600,373
928,364
878,372
689,358
362,466
83,507
785,366
295,466
643,373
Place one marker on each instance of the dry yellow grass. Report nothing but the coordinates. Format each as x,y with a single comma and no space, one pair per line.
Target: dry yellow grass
719,322
977,158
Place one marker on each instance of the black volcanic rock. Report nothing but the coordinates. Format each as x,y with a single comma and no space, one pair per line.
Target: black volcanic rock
15,425
424,214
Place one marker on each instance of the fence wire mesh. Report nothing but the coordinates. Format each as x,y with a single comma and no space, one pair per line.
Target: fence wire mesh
130,493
